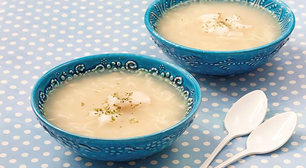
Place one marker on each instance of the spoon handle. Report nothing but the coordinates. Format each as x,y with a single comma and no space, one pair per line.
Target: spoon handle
235,158
221,145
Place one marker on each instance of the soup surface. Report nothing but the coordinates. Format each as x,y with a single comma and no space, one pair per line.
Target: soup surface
218,26
115,105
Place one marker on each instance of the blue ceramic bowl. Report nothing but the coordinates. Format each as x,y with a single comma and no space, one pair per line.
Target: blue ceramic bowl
221,63
116,149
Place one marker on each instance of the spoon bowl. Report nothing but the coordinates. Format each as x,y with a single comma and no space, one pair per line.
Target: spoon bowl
243,117
273,133
247,113
267,137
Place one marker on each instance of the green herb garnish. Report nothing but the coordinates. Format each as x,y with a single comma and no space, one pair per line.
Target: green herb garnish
133,121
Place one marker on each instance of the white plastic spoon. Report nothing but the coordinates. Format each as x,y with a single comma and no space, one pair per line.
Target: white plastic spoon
243,117
267,137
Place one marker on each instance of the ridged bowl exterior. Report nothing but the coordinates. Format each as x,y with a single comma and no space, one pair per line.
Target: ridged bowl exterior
116,149
221,63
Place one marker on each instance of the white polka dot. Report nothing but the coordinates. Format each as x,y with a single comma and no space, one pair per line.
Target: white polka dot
206,132
264,161
216,126
47,142
18,114
206,143
88,164
6,131
219,161
175,161
24,154
26,143
195,126
16,137
215,104
284,149
57,147
14,149
287,109
15,76
67,153
28,120
37,125
56,159
44,165
4,143
299,114
66,164
197,161
12,160
164,156
46,153
205,121
2,155
275,104
36,148
27,131
79,159
204,99
196,149
186,155
7,120
34,160
297,155
8,108
174,150
287,161
195,138
239,149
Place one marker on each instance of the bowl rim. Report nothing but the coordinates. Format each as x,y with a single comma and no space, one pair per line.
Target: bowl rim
277,40
186,74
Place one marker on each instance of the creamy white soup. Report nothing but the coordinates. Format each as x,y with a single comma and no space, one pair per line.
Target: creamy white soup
218,26
115,105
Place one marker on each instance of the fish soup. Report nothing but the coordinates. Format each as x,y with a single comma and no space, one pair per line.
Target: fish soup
218,26
115,105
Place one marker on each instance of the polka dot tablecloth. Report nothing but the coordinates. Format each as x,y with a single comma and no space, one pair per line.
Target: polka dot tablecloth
36,35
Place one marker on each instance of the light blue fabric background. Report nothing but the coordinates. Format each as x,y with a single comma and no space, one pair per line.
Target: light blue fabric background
38,35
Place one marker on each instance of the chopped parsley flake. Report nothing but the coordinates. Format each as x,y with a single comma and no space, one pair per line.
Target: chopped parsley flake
113,119
114,110
133,121
134,106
